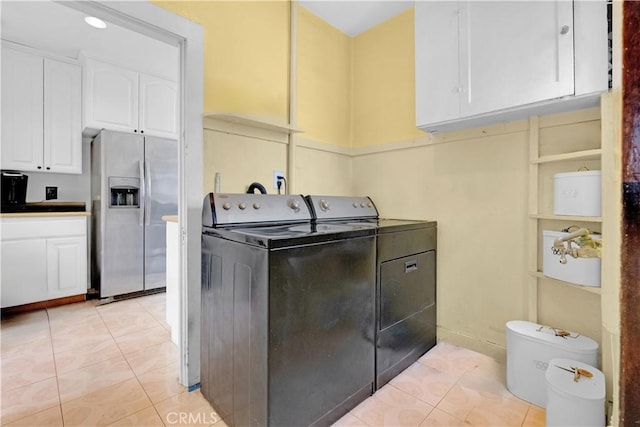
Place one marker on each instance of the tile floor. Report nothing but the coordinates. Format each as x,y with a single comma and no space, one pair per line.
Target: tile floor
115,364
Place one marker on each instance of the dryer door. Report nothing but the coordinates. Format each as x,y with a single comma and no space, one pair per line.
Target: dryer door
407,286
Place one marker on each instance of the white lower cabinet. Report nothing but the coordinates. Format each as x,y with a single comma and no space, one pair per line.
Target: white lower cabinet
42,258
66,266
23,281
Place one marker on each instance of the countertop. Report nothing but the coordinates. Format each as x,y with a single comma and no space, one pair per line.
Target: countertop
41,214
170,218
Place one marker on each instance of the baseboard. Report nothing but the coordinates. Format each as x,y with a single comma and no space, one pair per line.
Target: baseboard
490,349
43,304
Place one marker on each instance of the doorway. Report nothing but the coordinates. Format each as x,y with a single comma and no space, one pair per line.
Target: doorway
157,23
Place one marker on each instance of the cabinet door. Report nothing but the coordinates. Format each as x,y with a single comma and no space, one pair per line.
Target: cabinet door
437,67
66,266
158,106
514,53
22,112
111,97
62,117
24,272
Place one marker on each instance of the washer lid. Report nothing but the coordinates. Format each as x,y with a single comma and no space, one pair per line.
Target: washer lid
563,381
554,336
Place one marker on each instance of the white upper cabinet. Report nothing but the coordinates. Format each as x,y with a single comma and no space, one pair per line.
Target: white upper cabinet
485,62
22,112
514,53
62,117
41,104
110,97
158,106
120,99
437,62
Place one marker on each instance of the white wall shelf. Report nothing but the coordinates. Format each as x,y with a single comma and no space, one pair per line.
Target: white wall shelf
546,139
259,123
567,218
576,155
540,275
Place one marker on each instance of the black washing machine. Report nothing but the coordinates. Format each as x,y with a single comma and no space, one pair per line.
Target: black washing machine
288,312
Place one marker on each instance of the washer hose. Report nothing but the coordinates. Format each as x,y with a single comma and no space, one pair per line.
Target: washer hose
258,186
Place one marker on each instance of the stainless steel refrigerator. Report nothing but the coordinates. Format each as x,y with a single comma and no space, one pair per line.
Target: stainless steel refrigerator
134,184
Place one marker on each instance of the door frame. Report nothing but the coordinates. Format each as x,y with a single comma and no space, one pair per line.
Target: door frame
158,23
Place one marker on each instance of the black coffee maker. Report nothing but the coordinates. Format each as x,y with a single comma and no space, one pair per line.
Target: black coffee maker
14,190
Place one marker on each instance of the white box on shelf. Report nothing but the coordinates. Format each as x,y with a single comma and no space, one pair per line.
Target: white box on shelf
577,193
581,271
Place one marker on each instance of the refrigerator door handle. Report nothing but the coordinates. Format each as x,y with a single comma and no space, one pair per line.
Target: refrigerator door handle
143,195
147,180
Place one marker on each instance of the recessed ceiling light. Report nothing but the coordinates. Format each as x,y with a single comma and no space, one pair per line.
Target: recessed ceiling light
95,22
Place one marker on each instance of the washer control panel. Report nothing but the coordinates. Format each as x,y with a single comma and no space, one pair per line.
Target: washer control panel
231,209
342,207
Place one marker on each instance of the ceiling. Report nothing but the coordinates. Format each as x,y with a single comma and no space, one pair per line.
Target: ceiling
60,29
353,17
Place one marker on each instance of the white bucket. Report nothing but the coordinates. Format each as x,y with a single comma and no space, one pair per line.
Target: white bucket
574,403
577,193
581,271
530,347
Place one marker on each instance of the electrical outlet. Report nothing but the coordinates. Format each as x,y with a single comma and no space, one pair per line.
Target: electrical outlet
51,193
277,174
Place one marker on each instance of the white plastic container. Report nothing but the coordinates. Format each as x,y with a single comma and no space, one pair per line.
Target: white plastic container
581,271
574,403
577,193
530,347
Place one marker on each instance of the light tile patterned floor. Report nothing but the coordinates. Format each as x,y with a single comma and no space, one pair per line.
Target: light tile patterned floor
448,386
115,364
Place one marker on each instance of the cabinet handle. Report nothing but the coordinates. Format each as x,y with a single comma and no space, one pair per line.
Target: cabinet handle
48,168
564,29
39,167
141,131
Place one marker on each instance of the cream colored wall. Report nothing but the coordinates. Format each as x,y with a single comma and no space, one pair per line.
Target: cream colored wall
321,170
476,189
475,184
241,155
